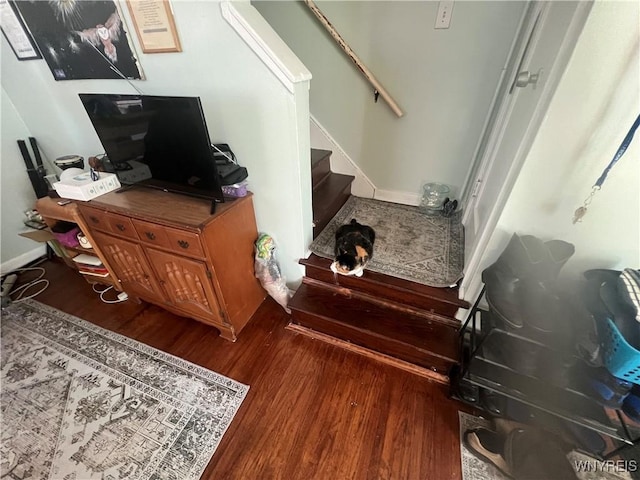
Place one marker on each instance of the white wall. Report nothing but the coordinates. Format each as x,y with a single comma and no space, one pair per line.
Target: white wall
595,104
16,192
245,105
444,80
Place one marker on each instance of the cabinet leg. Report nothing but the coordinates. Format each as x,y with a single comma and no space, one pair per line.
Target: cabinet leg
227,333
136,299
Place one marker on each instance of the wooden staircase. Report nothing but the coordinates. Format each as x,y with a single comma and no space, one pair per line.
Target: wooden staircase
330,190
394,320
410,323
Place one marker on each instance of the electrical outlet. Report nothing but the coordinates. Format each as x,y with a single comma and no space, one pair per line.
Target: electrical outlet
443,18
7,284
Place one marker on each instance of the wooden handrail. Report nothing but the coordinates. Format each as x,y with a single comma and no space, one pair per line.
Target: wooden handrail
361,66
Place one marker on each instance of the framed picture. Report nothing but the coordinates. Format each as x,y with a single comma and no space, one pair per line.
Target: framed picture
81,39
155,26
16,32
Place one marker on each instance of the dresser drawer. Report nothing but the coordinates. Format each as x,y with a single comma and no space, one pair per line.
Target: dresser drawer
187,243
109,222
121,225
96,218
152,233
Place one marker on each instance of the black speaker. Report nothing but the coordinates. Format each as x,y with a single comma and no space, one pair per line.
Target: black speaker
36,172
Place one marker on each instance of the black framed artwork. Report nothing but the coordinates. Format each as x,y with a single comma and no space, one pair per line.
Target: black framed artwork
16,33
81,39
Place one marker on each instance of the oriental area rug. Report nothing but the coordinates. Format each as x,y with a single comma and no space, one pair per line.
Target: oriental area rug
409,244
80,402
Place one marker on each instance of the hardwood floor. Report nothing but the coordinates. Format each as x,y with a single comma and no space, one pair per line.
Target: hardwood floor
313,411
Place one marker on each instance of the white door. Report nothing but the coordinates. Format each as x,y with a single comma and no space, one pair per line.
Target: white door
548,33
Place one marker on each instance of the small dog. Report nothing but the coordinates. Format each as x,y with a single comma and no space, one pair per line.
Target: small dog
354,248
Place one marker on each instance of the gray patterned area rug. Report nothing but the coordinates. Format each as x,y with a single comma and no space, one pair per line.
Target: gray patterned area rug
80,402
409,244
474,468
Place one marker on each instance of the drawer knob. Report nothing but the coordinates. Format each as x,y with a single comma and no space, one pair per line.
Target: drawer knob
150,235
120,227
94,219
183,243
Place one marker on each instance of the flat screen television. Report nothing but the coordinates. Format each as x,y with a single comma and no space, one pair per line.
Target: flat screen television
156,141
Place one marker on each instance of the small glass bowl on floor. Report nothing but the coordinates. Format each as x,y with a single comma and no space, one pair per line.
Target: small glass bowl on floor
433,197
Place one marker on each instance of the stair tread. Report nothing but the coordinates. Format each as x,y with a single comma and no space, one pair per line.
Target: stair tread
442,295
333,181
386,323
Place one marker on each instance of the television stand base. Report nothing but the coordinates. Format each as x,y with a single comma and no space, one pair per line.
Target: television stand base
124,188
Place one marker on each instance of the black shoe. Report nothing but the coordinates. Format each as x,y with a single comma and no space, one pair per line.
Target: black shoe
521,284
488,446
533,454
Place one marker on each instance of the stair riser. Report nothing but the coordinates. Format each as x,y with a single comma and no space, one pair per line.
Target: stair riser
320,170
383,291
360,314
373,342
327,208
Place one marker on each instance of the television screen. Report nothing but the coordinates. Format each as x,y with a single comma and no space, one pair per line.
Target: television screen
156,141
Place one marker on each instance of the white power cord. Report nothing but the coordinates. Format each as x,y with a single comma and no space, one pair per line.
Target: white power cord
224,154
23,288
122,296
9,280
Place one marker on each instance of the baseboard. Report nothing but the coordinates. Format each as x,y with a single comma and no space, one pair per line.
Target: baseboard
22,260
405,198
380,357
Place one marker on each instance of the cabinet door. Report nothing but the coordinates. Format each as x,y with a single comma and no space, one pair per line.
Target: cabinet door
187,285
131,267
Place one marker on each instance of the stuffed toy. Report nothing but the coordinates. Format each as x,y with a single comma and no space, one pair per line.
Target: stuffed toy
268,271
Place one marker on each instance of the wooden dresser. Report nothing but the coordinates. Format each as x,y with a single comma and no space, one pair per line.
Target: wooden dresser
169,250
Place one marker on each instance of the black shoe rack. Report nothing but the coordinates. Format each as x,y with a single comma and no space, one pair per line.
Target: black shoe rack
552,398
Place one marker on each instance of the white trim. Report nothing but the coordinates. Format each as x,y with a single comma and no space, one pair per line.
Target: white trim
21,260
265,42
471,283
405,198
341,162
493,119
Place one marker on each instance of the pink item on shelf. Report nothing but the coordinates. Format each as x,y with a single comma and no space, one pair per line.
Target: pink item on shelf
68,239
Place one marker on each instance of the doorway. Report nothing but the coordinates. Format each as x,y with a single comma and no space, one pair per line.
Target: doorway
540,53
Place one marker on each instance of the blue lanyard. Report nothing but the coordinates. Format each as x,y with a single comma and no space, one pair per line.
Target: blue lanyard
619,153
581,211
